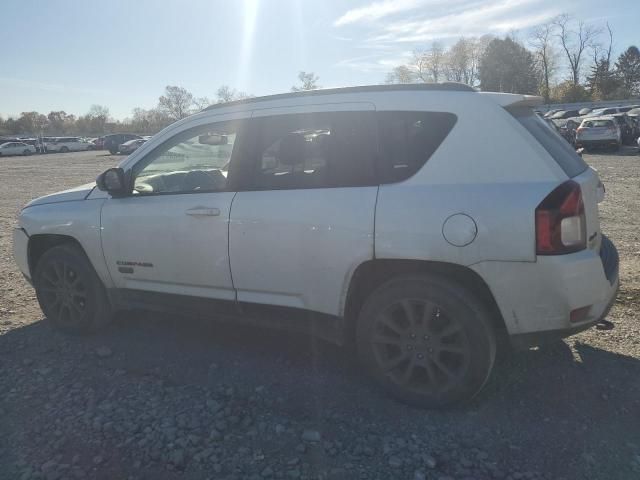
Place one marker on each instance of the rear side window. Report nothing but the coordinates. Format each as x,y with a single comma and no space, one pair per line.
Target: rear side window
407,140
318,150
553,143
597,123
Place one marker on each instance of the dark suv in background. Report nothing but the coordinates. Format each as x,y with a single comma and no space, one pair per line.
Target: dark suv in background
113,142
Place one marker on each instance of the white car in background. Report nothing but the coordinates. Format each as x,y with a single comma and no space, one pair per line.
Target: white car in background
598,132
382,217
67,144
16,148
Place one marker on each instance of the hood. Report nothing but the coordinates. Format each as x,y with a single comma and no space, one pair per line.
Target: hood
77,193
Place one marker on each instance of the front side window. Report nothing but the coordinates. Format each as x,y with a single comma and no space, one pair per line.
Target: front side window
193,161
319,150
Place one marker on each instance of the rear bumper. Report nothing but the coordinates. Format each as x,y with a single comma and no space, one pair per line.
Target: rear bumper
596,143
536,299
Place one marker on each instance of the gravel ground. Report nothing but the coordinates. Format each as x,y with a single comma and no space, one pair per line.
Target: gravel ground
165,397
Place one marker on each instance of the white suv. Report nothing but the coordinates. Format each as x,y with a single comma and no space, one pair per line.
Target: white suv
423,223
66,144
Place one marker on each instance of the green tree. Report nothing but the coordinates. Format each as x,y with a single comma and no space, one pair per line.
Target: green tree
507,66
628,70
603,83
309,81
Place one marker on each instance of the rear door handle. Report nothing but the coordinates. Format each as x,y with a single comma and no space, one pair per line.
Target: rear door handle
203,212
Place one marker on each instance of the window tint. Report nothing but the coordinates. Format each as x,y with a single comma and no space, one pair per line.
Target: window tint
553,143
193,161
407,140
320,150
597,123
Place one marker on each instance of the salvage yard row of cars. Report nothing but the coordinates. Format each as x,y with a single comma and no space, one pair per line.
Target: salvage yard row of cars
603,127
124,143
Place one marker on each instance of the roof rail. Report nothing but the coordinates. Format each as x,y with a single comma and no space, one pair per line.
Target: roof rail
418,87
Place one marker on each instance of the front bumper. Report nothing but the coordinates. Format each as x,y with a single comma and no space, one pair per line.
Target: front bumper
20,251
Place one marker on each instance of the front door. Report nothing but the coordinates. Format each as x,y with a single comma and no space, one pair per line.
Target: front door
171,234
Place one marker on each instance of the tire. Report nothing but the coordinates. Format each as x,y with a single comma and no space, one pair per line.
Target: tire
64,150
113,151
617,146
69,291
26,153
430,362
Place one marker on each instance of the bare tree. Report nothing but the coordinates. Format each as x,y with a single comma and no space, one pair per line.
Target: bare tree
309,82
400,74
429,65
226,94
200,103
546,57
574,38
176,102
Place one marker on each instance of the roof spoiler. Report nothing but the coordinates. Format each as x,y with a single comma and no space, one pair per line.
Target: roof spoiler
511,100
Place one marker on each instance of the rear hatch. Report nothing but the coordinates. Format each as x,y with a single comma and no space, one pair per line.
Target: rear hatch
572,164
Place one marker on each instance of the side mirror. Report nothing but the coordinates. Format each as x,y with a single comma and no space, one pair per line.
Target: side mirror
112,181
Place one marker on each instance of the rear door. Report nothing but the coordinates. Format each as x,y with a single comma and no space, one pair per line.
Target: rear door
303,220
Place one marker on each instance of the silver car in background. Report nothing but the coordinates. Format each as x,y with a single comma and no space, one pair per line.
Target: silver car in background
600,131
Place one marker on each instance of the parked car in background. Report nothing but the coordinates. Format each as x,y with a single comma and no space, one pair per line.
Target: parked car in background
628,132
626,108
634,112
66,144
98,143
598,112
112,142
551,112
564,114
600,131
584,111
131,146
16,148
423,301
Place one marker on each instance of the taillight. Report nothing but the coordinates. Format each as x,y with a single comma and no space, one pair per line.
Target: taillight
561,222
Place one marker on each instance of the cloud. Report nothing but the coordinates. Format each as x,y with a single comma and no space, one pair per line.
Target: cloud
415,21
376,62
376,11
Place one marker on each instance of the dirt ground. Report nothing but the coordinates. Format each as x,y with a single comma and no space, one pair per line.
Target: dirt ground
164,397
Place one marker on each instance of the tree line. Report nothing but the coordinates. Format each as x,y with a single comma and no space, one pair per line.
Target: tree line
565,60
176,103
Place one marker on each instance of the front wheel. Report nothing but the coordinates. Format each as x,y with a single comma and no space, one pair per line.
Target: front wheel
64,150
426,340
26,152
69,291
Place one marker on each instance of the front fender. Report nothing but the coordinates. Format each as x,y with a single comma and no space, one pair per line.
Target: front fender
79,220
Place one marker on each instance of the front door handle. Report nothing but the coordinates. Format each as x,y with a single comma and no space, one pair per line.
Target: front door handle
203,212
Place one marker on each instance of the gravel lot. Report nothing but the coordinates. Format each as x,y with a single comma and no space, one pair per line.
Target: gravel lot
177,398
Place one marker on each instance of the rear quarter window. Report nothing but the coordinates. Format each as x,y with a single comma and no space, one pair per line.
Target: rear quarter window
564,154
406,141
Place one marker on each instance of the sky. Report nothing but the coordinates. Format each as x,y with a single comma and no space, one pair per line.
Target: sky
68,55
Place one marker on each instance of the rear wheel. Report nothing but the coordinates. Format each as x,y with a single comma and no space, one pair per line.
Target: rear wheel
426,340
64,150
69,291
26,152
113,151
